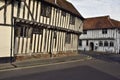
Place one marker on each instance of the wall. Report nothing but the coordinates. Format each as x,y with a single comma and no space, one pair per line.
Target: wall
95,36
5,41
45,42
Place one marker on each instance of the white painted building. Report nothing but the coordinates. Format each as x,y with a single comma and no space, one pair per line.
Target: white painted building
100,34
38,27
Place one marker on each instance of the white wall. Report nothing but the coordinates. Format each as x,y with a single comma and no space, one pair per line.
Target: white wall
5,34
96,35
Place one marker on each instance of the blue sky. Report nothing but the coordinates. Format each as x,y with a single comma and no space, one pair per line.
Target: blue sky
93,8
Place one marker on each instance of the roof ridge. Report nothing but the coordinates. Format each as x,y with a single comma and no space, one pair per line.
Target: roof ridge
97,17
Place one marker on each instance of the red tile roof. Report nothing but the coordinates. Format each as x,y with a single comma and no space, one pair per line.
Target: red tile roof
100,23
65,5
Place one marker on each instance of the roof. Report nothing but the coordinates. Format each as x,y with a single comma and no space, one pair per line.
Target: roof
102,22
65,5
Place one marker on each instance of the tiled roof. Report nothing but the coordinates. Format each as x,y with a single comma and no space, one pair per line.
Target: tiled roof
100,23
65,5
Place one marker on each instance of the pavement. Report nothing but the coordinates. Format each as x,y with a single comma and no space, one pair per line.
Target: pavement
35,62
80,57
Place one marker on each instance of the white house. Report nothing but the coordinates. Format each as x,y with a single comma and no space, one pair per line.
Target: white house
30,27
101,34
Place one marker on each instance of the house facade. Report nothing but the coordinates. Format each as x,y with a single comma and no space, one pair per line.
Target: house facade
100,34
29,27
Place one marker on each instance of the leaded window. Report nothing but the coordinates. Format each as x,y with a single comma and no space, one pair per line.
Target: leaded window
100,43
104,31
111,44
72,20
63,13
46,10
68,38
106,43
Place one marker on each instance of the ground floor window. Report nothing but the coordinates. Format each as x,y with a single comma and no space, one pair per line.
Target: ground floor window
100,43
68,38
23,31
86,42
80,42
106,43
111,44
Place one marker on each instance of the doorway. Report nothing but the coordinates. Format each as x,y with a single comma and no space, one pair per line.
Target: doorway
91,46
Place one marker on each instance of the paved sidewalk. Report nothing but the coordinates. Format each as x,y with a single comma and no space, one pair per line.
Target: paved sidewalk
35,62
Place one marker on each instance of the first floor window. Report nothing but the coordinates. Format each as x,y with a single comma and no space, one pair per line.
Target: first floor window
72,20
68,38
84,31
63,13
104,31
46,10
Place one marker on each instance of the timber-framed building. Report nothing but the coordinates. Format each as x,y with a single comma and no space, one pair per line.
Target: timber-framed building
29,27
100,34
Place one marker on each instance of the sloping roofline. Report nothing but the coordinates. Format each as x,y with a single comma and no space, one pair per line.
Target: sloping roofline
101,22
66,6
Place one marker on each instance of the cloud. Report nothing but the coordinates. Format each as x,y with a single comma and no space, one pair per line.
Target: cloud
89,8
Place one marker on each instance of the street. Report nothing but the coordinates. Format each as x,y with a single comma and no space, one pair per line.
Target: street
80,70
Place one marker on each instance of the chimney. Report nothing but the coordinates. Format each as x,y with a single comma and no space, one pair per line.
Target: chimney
55,1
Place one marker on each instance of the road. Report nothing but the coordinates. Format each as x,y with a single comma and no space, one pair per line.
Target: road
78,70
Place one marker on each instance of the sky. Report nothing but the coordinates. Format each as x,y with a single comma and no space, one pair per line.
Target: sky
94,8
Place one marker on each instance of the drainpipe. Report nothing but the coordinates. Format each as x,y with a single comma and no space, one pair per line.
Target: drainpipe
12,23
51,44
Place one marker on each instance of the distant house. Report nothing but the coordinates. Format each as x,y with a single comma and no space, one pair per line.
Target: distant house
31,27
101,34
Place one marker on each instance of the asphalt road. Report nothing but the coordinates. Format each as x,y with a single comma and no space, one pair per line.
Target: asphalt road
79,70
75,73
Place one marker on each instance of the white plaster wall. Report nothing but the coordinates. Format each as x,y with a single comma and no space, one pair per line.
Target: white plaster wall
98,34
5,33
